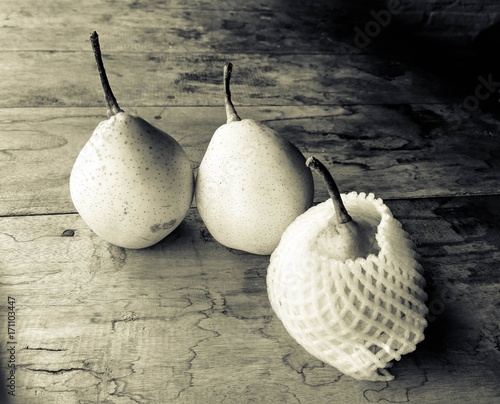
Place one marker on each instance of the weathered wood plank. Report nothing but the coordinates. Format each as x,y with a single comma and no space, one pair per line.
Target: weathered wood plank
55,79
404,151
201,26
188,320
173,51
189,26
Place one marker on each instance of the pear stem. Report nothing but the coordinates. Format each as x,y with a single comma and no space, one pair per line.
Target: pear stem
231,114
113,106
333,190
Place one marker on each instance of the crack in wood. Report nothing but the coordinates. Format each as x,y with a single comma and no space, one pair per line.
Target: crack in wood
45,349
66,370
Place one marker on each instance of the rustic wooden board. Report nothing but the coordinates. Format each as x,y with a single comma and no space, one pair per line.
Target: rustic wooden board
188,320
173,26
271,26
394,151
52,79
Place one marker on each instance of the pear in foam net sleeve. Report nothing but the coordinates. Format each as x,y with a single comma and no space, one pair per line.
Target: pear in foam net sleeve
346,284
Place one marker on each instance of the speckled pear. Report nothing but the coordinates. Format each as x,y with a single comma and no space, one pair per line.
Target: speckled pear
132,183
251,183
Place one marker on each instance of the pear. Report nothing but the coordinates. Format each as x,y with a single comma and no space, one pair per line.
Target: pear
131,183
346,284
251,183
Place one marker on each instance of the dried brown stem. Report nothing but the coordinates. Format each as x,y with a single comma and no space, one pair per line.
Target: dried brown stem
231,114
113,106
340,210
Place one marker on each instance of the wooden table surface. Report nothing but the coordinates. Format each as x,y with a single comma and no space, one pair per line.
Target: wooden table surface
410,113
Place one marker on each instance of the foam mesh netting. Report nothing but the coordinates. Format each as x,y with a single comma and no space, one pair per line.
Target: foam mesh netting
357,316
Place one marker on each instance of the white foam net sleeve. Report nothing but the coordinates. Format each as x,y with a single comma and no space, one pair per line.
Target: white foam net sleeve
357,316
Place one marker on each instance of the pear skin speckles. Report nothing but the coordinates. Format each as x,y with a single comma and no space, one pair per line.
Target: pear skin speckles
251,184
132,183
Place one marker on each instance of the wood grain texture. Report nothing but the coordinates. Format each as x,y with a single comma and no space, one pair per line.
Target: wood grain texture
411,114
52,79
403,151
177,59
188,320
203,26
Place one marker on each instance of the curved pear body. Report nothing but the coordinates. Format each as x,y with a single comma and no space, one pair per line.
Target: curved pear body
131,183
251,184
